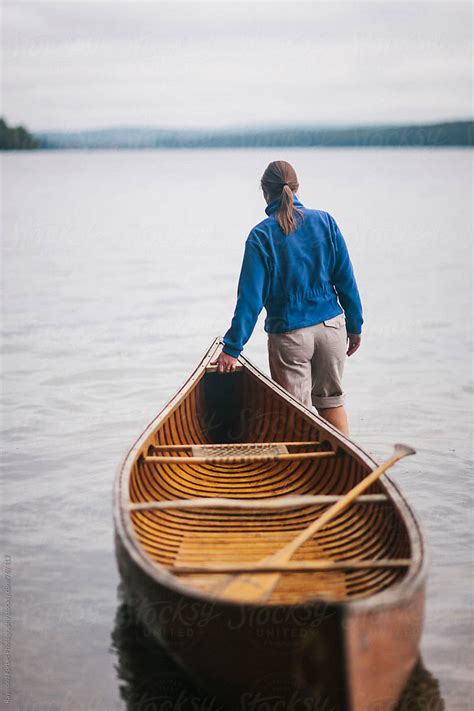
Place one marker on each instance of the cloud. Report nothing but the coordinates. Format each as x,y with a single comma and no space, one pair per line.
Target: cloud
89,64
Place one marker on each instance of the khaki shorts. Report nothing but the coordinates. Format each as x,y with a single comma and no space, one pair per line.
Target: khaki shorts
309,362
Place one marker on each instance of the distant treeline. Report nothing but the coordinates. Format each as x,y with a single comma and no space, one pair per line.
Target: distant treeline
16,138
440,135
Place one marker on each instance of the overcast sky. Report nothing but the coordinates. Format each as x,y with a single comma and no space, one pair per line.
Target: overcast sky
73,64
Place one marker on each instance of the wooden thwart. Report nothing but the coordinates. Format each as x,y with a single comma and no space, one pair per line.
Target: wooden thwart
302,566
266,503
263,445
240,459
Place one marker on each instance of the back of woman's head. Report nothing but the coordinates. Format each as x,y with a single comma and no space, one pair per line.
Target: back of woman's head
279,181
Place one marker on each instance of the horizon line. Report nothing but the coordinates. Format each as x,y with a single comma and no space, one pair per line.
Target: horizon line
252,127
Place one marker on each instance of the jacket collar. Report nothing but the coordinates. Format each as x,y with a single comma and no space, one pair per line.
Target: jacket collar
272,206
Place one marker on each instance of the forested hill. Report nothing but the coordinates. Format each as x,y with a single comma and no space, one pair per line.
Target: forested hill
440,135
15,138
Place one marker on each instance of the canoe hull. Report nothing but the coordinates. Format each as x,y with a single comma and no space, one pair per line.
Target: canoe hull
321,653
382,647
241,653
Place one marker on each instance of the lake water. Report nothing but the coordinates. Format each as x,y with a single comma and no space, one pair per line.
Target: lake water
119,269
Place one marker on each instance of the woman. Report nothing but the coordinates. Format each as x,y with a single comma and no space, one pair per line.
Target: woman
296,264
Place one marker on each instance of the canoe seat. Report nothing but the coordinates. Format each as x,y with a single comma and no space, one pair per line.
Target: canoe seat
204,548
234,450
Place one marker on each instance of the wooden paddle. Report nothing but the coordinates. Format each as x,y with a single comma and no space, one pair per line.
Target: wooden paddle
257,587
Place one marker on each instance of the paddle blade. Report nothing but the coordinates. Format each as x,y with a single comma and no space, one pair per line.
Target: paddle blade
403,450
248,587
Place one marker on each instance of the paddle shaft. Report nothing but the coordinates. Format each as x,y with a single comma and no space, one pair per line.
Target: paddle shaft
287,551
259,587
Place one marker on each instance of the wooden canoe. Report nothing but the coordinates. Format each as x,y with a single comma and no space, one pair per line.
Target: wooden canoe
341,628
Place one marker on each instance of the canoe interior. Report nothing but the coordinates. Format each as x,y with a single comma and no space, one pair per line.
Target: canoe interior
238,408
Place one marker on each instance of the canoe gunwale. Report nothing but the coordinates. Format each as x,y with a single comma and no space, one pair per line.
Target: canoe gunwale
396,594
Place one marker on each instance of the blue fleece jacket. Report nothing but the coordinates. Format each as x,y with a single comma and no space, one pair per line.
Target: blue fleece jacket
302,278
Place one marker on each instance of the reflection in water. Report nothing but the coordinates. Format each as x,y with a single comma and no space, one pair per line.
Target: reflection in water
422,693
150,681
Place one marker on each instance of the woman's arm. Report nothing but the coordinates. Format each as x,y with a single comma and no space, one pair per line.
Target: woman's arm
345,284
251,291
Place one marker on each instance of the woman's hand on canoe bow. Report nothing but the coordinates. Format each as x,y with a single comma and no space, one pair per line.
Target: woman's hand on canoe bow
225,363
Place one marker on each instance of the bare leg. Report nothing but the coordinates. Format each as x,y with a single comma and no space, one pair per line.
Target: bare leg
337,417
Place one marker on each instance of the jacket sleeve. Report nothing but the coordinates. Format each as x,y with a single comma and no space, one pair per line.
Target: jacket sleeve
251,294
344,282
